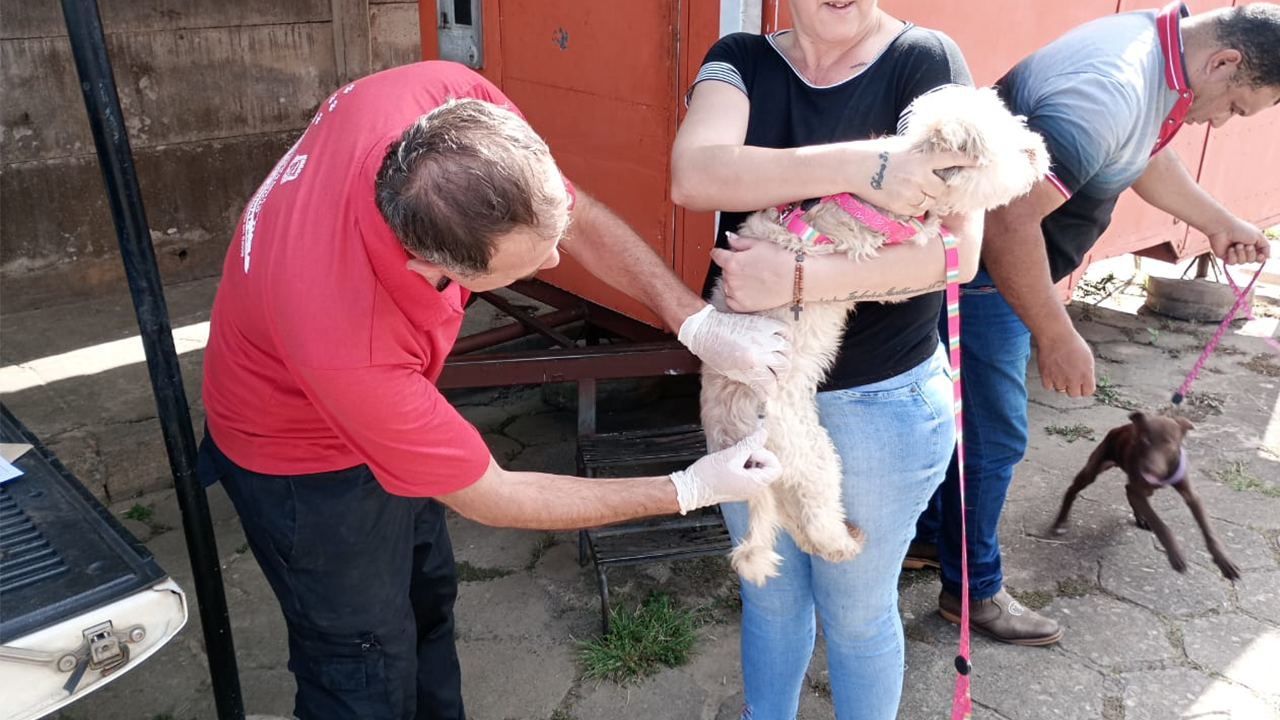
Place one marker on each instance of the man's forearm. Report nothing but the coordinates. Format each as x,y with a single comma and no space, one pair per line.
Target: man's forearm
609,249
1026,285
1167,185
1015,257
542,501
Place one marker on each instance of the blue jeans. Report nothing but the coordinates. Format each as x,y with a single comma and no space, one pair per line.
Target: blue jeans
894,438
994,349
366,581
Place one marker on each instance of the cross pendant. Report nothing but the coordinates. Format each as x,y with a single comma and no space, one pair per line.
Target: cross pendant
795,309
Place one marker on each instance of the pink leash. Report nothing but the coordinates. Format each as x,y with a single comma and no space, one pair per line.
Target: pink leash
1241,297
961,702
1248,311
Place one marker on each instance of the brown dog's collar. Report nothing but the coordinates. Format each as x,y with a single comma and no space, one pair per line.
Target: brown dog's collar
1177,475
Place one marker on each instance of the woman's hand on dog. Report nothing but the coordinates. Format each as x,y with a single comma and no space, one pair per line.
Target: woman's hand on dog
906,182
758,274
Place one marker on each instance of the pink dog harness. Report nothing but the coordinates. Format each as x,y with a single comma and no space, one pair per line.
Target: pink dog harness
1177,475
894,231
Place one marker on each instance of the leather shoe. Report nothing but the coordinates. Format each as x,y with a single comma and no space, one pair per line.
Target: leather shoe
921,555
1003,618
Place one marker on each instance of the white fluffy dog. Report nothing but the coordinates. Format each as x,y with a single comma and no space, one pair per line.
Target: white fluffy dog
806,500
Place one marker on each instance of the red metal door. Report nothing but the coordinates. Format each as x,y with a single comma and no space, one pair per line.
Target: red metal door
602,83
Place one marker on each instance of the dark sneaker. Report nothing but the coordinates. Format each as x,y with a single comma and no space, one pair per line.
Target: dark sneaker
1003,618
920,556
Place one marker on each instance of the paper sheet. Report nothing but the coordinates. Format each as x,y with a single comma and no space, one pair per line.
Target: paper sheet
8,453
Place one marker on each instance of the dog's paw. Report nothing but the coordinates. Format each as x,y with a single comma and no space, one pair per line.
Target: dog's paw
856,537
755,564
835,541
1057,530
1178,562
1229,569
841,547
1142,524
855,532
842,552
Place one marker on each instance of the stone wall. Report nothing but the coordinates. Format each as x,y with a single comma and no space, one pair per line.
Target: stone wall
212,93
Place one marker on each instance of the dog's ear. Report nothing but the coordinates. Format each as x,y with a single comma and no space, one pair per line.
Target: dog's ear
1185,423
1138,418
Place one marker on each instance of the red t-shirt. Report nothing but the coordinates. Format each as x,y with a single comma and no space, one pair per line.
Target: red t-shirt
324,348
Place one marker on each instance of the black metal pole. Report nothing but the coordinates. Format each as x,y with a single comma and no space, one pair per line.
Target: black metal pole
88,45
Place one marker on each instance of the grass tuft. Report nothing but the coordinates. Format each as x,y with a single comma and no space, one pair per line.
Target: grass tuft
545,542
1238,477
1204,404
1097,290
1077,586
720,610
141,513
1034,599
1107,394
1071,433
474,573
640,643
1262,365
821,687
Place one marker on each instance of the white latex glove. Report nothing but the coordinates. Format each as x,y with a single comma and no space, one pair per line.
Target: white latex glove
735,473
749,349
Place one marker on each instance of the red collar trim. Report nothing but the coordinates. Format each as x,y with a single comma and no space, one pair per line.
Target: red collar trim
1167,28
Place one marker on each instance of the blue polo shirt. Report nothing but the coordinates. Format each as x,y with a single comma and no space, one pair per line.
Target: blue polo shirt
1098,95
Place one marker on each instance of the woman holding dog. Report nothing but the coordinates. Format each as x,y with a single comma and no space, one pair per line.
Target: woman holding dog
805,113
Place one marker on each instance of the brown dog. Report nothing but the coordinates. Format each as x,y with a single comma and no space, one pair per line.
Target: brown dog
1150,452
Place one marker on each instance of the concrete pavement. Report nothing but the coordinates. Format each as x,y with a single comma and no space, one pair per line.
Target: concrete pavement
1141,641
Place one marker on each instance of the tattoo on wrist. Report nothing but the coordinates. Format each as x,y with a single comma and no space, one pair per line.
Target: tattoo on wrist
877,180
890,293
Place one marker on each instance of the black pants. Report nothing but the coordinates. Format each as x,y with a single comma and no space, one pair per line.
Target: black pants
367,583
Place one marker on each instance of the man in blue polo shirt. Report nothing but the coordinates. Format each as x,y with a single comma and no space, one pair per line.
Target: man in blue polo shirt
1107,97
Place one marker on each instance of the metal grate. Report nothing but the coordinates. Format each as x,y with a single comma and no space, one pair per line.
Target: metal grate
26,557
668,537
681,443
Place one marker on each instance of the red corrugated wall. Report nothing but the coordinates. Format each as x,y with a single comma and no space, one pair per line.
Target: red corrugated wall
603,83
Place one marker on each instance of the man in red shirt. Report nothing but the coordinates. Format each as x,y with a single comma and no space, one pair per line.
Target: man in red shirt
342,294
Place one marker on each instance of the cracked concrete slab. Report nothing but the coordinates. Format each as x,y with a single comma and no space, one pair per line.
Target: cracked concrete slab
1141,641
